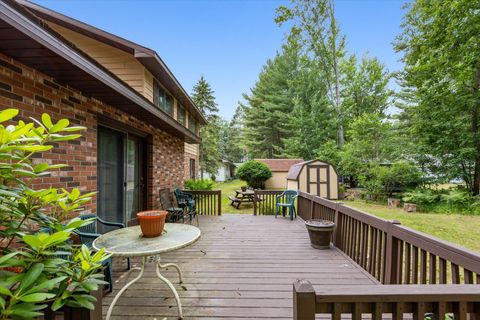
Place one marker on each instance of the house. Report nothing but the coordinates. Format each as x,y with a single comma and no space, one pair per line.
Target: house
225,172
141,126
279,168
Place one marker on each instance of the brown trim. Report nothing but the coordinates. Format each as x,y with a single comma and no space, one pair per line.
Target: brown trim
146,56
17,17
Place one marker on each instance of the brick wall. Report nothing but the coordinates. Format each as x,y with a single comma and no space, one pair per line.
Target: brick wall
34,93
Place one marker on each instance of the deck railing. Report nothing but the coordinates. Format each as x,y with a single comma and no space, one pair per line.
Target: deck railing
386,302
264,201
208,202
392,253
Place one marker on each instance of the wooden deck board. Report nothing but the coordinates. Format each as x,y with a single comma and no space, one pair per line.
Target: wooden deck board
243,267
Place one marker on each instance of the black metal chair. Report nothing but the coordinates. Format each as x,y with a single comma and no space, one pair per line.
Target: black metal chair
175,213
89,233
186,201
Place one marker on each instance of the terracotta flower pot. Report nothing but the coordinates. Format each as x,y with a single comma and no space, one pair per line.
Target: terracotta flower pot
320,232
152,222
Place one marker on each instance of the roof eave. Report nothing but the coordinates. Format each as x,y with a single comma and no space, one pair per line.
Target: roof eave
26,24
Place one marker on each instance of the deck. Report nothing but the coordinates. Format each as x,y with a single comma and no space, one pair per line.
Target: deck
243,267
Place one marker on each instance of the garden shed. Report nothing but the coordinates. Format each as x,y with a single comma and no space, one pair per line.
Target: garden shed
316,177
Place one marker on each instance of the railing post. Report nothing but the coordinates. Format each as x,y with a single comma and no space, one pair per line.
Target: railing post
219,202
391,255
255,195
303,300
312,205
336,232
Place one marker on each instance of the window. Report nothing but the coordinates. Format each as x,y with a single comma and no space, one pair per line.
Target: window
161,98
192,169
192,124
181,116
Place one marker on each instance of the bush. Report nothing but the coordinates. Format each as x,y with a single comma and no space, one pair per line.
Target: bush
254,173
199,184
383,181
34,231
455,200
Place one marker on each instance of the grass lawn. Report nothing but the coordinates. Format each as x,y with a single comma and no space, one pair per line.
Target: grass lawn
461,229
228,189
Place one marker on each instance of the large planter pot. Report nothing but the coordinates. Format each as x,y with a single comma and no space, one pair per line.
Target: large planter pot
152,222
320,232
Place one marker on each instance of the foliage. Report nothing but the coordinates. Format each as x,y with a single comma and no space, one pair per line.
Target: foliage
270,103
453,200
199,184
203,97
230,143
255,173
33,241
381,181
209,157
440,85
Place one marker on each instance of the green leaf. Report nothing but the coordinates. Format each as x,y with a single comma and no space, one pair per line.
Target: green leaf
47,121
8,114
40,167
57,304
35,148
36,297
30,277
60,125
56,238
73,129
7,257
32,241
66,137
9,193
48,284
5,291
2,303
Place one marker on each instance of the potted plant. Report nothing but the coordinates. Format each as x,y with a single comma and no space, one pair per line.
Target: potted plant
320,233
244,188
39,265
152,222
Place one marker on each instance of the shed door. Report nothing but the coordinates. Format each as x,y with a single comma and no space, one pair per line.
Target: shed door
318,177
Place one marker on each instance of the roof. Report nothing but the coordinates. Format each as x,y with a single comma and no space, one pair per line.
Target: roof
146,56
296,169
27,39
280,165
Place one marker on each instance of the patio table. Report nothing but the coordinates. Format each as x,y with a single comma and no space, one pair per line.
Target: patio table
129,242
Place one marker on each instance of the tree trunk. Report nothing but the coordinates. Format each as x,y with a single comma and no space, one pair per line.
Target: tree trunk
475,135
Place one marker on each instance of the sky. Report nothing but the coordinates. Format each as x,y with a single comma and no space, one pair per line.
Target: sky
228,41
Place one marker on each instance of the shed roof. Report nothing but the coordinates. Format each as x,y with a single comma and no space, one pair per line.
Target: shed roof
280,165
296,169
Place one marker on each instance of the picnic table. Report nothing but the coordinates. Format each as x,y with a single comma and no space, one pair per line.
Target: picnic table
242,197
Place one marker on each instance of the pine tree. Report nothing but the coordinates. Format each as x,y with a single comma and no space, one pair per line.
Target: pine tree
210,158
203,97
270,103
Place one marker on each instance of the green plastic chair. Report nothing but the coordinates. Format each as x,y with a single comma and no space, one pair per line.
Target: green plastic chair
289,203
89,233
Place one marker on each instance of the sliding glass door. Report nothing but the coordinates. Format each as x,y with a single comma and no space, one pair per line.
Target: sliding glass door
120,175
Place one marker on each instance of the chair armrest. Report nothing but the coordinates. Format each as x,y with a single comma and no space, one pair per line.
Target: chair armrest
88,235
281,195
109,223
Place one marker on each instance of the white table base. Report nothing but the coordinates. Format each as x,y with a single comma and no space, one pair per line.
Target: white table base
158,265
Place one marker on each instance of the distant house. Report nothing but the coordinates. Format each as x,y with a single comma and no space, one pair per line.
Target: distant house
141,126
279,169
225,172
